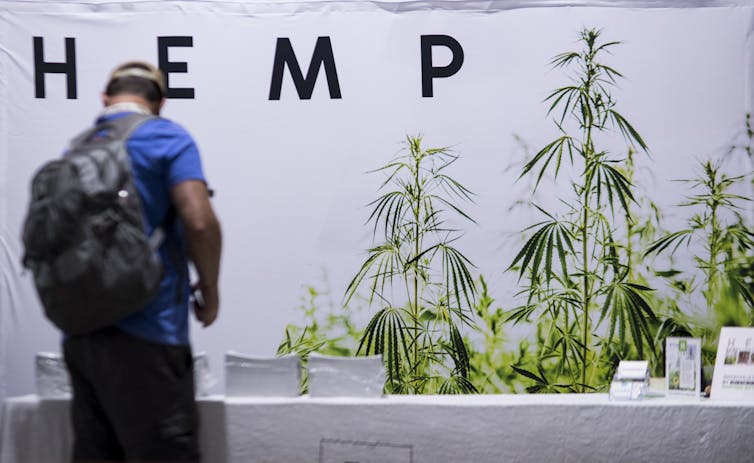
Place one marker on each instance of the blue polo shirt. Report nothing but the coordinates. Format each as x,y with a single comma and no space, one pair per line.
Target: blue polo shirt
163,154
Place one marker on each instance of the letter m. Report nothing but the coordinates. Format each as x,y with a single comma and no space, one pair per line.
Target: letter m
322,56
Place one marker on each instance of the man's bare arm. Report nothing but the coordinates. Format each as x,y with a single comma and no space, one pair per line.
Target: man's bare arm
204,240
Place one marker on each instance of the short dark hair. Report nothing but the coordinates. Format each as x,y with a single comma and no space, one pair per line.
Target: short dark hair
130,85
135,85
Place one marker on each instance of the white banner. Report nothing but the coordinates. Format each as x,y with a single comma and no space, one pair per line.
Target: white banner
288,155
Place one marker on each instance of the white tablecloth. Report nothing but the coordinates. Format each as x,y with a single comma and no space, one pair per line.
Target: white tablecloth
429,429
39,431
489,429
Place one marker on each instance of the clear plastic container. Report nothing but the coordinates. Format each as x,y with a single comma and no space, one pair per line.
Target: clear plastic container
331,376
51,376
248,375
204,380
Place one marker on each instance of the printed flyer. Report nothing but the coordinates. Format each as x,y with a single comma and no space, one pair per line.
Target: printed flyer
682,367
734,366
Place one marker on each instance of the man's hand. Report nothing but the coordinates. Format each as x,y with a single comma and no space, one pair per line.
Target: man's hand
206,301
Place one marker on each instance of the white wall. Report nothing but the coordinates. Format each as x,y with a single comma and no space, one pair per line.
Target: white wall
290,174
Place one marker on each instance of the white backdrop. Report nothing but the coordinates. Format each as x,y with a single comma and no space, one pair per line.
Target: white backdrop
290,174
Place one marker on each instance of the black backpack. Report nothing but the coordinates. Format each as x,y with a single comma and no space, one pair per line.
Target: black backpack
84,233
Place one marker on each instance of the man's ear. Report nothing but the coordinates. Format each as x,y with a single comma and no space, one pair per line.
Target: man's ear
105,99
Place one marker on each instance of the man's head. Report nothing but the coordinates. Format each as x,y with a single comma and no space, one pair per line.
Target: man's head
137,82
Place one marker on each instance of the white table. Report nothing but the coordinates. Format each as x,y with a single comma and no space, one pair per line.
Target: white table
430,429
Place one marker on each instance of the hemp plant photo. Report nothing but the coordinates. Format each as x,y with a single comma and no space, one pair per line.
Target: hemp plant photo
574,267
420,282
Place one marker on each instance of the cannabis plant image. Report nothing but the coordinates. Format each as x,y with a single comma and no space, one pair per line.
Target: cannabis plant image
720,240
420,283
326,329
574,267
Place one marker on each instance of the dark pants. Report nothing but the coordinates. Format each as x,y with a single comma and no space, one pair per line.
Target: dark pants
133,400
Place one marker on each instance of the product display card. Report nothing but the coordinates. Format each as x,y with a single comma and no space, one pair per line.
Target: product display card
733,378
683,364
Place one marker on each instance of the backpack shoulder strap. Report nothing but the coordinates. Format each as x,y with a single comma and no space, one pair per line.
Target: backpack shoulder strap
110,130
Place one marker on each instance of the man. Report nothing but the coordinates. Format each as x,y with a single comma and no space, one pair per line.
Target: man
133,383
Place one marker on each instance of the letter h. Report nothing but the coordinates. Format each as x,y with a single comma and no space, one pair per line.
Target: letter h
41,67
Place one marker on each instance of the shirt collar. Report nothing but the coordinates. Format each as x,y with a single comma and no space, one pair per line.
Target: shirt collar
124,107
